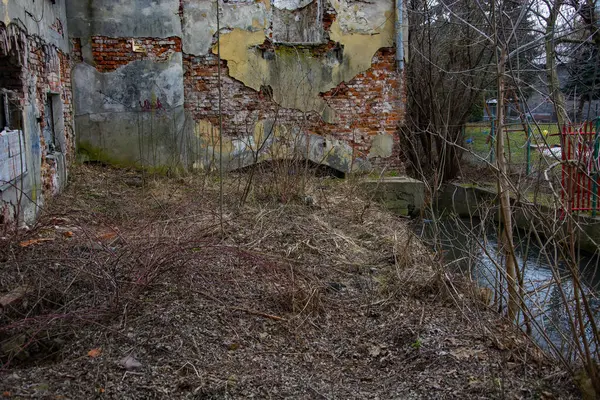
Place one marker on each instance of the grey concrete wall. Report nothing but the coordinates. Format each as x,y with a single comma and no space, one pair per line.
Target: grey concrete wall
474,202
112,124
200,24
42,18
124,18
402,195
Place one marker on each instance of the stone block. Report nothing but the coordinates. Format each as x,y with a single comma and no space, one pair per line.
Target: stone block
403,195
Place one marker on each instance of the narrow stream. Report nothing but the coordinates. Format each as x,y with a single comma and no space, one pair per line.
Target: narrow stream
473,249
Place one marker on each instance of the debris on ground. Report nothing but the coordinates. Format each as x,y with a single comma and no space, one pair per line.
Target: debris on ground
142,291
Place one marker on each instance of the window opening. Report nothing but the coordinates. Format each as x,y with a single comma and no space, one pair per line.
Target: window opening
51,123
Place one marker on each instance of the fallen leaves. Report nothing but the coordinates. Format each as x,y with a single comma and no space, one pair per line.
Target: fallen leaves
107,236
466,353
95,352
374,351
32,242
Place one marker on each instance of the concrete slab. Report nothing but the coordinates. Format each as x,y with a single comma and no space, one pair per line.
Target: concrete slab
469,201
403,195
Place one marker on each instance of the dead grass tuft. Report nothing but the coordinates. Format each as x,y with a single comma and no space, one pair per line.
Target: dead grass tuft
337,288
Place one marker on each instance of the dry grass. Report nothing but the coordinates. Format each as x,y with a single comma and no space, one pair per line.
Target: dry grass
336,299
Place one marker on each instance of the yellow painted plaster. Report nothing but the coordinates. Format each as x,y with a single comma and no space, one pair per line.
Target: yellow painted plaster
210,137
267,4
359,49
296,77
6,16
281,143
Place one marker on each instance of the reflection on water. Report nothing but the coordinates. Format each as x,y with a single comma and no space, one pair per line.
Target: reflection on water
471,248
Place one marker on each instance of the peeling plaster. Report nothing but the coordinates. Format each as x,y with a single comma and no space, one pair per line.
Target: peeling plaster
291,4
124,18
273,143
382,146
38,18
361,17
124,89
201,22
295,75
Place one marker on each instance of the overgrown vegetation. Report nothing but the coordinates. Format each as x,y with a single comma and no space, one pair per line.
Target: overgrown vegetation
130,289
560,309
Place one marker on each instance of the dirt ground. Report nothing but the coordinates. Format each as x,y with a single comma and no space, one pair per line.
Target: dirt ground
129,287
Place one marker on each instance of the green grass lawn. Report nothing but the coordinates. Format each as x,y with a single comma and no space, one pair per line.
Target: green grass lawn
517,146
516,143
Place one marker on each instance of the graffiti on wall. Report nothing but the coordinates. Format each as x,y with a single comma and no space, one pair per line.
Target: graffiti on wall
57,26
151,105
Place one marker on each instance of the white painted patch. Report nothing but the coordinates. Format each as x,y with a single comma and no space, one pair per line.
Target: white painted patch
201,22
291,4
363,17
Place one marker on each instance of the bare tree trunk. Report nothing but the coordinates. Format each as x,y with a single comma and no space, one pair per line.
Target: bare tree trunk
580,105
554,91
503,191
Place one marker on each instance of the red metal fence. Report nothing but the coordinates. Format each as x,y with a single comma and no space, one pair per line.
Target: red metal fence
580,167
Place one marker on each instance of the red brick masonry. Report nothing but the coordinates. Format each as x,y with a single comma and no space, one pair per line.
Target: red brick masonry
367,105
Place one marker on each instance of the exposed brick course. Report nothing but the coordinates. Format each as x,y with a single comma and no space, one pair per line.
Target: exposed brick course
76,51
66,65
368,105
112,53
52,71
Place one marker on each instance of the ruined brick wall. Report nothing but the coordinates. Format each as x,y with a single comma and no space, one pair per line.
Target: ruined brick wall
66,92
368,105
355,105
112,53
31,70
50,69
76,51
241,105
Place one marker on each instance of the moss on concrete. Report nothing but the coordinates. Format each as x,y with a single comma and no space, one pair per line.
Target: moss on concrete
87,152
